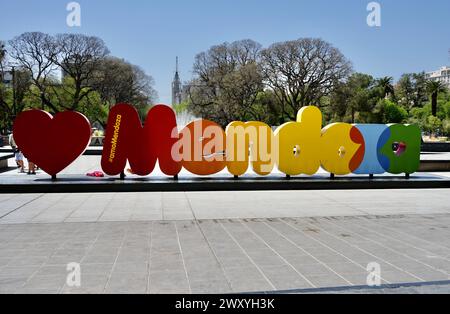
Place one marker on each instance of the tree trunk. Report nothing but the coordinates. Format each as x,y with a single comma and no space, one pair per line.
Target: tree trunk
434,101
46,102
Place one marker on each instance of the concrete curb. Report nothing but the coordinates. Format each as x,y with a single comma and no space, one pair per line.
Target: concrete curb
77,185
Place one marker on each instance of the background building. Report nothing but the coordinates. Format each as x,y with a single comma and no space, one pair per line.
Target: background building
441,75
21,75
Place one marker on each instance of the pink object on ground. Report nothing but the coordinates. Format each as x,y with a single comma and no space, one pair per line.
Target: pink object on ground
96,174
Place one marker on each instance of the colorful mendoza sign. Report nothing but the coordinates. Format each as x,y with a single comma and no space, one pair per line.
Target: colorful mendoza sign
204,148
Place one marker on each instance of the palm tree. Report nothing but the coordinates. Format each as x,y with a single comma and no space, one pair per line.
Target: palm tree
387,86
434,88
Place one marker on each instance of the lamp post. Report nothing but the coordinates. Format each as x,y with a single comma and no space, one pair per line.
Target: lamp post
13,73
13,66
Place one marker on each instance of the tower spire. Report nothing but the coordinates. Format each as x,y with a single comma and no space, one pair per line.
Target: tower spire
177,88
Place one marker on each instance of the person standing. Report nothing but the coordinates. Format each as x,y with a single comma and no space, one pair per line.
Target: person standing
17,154
31,168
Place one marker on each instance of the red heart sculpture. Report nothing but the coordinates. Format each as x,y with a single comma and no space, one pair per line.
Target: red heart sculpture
52,143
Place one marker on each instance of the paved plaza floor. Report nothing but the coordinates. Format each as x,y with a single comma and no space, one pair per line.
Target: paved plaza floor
226,242
223,256
169,206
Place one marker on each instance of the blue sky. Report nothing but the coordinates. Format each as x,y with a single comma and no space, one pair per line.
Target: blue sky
414,36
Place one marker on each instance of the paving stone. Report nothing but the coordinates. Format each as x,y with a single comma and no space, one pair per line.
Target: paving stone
312,269
48,291
398,277
209,286
39,282
46,270
248,280
99,259
127,283
90,284
95,269
170,280
133,268
285,278
329,280
13,272
12,283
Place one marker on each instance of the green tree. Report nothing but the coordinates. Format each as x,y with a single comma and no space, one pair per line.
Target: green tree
355,99
388,111
89,76
267,108
227,80
387,86
405,91
411,90
19,90
446,127
433,124
338,106
360,100
78,56
118,81
302,72
181,108
45,56
34,52
420,89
